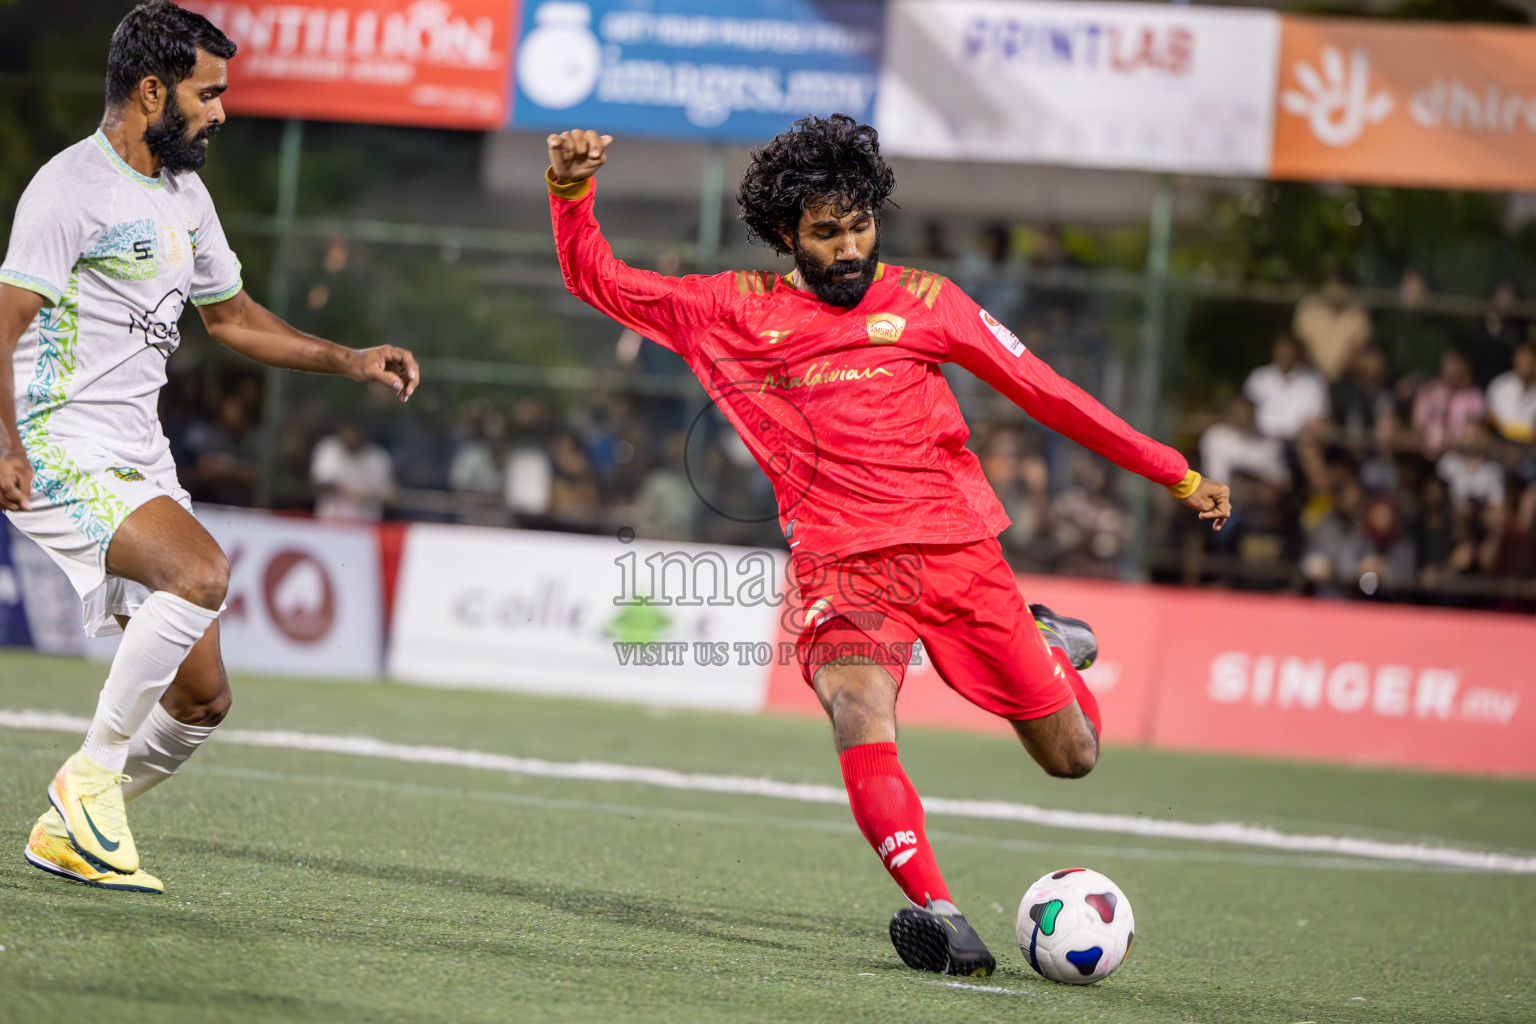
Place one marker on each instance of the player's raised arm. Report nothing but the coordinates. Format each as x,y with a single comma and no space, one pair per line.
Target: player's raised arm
18,308
244,325
668,310
992,352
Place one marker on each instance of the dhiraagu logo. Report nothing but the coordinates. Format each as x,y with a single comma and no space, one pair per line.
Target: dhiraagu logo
1337,100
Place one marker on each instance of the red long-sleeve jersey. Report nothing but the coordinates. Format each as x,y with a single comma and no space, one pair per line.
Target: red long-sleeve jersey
845,409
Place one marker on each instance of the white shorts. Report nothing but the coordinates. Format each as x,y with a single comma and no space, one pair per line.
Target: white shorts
81,493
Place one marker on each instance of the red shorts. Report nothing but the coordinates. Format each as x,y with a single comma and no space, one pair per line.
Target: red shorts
960,600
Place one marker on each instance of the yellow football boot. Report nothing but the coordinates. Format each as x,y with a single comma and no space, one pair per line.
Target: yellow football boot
51,851
90,800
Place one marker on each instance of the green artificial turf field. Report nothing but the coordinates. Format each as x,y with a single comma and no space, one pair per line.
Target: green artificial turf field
308,886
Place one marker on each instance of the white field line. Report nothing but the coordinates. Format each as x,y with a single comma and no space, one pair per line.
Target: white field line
664,778
843,826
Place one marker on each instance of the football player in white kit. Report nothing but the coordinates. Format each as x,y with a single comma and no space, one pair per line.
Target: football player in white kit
111,240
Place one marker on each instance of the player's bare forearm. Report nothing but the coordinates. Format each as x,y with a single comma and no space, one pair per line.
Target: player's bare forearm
18,308
244,325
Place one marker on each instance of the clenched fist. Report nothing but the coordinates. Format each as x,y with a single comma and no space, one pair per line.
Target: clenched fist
576,156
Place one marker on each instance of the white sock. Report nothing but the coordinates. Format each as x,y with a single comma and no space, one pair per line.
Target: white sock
160,747
154,645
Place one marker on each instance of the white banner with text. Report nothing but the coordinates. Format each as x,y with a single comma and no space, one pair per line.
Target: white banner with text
651,622
1083,84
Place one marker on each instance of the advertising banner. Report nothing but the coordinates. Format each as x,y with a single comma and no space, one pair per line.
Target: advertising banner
438,63
694,68
571,616
1085,84
1288,677
1395,104
14,631
304,596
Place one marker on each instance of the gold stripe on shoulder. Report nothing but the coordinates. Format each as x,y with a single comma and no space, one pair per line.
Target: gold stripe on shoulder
879,271
741,282
769,279
904,277
932,291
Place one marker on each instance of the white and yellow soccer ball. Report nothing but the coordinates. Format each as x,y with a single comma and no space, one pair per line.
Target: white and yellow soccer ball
1075,926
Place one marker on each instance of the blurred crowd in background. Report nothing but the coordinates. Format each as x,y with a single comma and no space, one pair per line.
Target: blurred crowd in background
1363,462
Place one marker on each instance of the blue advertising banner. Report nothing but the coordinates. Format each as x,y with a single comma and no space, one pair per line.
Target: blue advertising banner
699,69
13,614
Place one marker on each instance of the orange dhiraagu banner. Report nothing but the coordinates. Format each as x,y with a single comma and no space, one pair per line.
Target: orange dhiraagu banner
438,63
1381,685
1392,104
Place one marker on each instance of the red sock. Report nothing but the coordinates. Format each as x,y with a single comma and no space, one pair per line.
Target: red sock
1085,698
890,815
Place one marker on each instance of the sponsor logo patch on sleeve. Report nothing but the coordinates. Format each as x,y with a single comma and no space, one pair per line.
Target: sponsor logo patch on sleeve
1005,337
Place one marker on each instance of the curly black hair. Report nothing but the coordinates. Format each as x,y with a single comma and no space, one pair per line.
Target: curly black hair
161,39
833,160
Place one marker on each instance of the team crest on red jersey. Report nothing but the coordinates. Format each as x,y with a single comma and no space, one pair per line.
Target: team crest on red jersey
885,328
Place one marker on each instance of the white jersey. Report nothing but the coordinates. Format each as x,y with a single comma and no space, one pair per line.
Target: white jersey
117,256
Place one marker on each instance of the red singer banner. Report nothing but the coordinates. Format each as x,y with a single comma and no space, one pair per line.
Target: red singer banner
437,63
1288,677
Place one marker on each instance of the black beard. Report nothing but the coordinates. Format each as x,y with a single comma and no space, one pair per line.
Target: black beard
836,289
167,139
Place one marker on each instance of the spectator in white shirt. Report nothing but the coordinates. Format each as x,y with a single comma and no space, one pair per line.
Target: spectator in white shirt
1467,470
1287,394
1230,446
1511,397
353,478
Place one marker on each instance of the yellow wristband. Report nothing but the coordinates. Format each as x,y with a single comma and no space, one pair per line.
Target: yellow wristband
1184,488
571,190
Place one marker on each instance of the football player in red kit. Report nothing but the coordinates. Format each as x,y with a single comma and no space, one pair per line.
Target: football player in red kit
831,376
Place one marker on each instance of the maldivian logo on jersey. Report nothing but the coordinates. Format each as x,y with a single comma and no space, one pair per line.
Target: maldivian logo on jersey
1009,340
822,373
885,328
